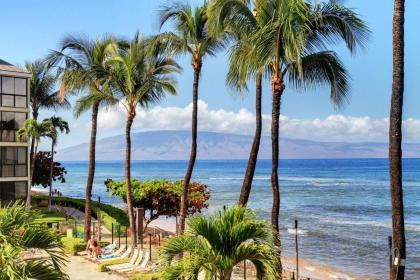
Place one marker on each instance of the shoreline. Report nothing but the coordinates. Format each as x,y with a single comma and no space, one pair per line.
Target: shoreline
314,270
307,268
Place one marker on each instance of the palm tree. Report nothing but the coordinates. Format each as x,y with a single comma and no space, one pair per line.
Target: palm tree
84,69
395,138
225,17
192,38
292,45
56,124
32,130
141,76
43,94
215,244
19,232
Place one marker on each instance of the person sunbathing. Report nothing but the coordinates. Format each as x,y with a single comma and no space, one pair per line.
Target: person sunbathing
89,245
96,249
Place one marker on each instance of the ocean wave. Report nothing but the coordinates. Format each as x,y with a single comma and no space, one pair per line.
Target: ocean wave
347,222
299,231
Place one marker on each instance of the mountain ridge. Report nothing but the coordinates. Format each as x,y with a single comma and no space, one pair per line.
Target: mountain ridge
175,145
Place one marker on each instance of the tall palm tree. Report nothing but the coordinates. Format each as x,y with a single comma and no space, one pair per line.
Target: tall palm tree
82,66
193,38
32,130
19,232
141,76
292,44
215,244
56,125
43,93
395,138
226,16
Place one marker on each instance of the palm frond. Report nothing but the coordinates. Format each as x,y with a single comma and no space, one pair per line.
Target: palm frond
322,68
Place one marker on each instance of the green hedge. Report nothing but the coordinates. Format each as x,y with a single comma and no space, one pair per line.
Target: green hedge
103,266
119,215
73,245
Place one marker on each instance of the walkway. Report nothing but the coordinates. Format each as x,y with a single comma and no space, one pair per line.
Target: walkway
80,269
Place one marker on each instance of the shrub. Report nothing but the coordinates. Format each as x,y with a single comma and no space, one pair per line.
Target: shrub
72,246
103,266
118,214
146,276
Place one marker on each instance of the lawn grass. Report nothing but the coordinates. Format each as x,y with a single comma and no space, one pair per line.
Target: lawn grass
54,217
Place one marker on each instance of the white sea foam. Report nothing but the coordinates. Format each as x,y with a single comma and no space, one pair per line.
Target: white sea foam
299,231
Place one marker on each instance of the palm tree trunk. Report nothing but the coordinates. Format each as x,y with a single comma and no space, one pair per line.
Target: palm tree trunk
277,88
226,275
35,117
91,174
28,197
395,138
275,156
130,119
253,156
51,177
193,155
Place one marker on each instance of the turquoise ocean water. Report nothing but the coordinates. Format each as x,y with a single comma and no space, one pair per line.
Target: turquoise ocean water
343,206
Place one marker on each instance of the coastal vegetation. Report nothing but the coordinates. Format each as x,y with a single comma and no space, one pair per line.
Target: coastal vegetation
81,69
281,44
20,233
140,75
43,93
55,125
110,214
42,175
161,197
213,245
34,130
191,37
290,41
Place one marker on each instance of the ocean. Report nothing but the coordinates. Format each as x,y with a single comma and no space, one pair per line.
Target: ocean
343,206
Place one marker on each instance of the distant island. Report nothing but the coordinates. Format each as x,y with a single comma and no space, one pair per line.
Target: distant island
175,145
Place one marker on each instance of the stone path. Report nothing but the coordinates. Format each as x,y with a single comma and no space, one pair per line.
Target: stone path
80,269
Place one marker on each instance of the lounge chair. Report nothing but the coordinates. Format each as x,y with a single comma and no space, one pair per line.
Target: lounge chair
119,254
138,254
111,247
137,265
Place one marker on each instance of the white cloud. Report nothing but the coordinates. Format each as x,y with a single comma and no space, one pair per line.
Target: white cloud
332,128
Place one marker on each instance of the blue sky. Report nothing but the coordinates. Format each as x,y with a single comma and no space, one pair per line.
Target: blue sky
33,27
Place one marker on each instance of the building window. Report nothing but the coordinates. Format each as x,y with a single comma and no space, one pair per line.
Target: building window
10,123
13,92
12,191
14,162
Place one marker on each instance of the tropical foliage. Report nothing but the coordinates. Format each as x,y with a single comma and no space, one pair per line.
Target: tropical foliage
141,75
19,234
34,130
213,245
291,46
43,93
161,197
42,170
191,37
43,88
56,125
82,68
